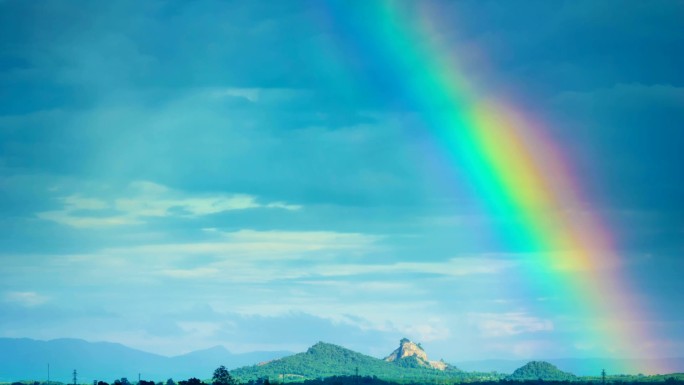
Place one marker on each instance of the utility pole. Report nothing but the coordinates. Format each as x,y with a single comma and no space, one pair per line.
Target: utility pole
138,378
603,376
48,374
75,379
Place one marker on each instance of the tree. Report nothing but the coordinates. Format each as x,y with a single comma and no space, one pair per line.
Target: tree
222,377
191,381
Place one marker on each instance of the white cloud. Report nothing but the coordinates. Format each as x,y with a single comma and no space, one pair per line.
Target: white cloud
454,267
67,217
256,95
25,298
258,246
364,287
147,200
200,329
508,324
251,94
190,273
146,207
432,330
315,258
76,202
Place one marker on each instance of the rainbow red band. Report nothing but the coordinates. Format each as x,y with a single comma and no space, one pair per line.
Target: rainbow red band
517,169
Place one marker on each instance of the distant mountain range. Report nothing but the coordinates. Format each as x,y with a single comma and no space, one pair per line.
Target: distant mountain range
27,359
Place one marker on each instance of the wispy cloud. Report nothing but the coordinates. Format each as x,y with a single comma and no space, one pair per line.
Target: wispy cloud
256,95
201,272
454,267
25,298
263,256
508,324
259,245
146,200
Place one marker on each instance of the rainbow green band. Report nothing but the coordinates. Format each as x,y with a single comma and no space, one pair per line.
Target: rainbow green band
517,170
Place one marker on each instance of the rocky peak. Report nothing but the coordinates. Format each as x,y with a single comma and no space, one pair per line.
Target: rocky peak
409,351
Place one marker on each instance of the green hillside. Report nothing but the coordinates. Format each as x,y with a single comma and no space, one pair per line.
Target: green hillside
536,370
326,360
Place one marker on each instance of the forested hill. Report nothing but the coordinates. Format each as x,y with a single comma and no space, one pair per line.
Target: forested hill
325,360
540,370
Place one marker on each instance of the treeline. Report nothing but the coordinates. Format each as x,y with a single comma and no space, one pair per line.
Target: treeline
223,377
118,381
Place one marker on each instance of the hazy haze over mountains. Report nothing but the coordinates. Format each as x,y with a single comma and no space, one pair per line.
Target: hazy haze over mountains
27,359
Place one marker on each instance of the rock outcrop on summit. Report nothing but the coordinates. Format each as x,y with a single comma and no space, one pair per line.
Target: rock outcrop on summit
411,354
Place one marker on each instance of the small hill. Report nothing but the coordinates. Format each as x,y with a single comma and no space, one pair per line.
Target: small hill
540,370
412,355
327,360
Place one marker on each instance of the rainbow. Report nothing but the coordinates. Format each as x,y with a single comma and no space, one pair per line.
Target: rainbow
517,169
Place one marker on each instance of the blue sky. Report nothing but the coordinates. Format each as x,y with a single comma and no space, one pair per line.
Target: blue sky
177,175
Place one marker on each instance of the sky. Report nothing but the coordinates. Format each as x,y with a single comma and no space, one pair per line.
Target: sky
178,175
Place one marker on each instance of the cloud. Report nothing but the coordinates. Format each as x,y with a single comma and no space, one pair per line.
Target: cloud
508,324
454,267
261,95
258,246
292,331
432,330
623,98
147,200
264,256
251,94
190,273
25,298
66,217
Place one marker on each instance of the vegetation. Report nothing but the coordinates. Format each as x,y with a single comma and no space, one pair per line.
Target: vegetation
327,364
223,377
327,360
540,370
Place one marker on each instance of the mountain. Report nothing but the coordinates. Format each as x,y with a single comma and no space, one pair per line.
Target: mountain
410,354
540,370
27,359
325,360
